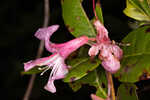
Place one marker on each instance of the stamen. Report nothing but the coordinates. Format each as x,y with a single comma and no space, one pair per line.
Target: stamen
124,44
43,68
90,43
121,44
46,69
92,39
52,60
55,67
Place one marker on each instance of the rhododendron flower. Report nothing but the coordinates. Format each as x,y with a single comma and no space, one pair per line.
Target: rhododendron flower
56,61
110,53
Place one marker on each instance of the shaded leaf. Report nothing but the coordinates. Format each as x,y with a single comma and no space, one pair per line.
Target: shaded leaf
95,78
76,19
135,64
80,68
34,70
127,92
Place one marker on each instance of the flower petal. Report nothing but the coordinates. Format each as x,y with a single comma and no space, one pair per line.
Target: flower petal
105,51
72,45
111,64
59,70
118,53
102,33
93,51
39,62
44,33
50,86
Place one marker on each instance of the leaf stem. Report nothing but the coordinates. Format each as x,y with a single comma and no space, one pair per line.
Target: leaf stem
110,86
40,49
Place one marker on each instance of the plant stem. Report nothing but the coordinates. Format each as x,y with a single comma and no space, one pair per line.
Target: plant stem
40,49
110,86
94,9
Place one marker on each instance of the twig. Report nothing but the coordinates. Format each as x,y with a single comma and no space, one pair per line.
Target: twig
111,90
40,50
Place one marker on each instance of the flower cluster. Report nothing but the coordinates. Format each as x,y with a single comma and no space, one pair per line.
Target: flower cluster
110,53
56,61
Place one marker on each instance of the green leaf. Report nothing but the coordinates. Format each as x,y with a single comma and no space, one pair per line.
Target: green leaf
96,78
145,6
76,19
127,92
80,68
135,65
34,70
137,11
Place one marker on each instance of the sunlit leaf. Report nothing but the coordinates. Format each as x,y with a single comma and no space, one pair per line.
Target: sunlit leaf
144,5
136,11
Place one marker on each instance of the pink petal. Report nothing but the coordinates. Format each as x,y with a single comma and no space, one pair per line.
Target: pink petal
93,51
59,70
44,33
72,45
102,33
111,64
50,86
51,47
105,51
117,51
38,62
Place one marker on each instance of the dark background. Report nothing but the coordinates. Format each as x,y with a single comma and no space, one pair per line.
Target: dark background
19,19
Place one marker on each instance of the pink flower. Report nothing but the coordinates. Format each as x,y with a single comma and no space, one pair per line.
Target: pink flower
56,61
110,53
